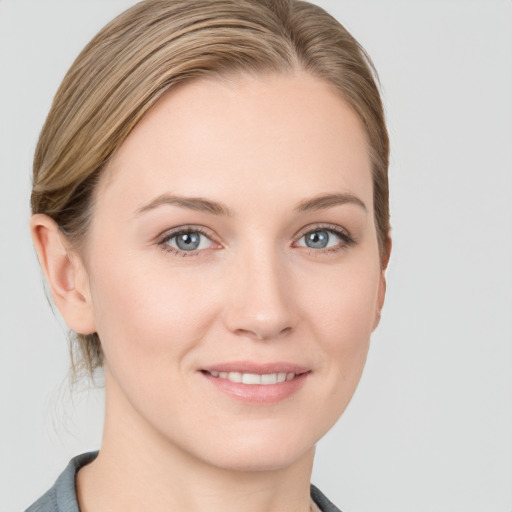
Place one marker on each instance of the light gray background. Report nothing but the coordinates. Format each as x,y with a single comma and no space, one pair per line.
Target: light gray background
430,427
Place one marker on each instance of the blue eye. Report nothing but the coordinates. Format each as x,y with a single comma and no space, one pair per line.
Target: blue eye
186,241
323,238
317,239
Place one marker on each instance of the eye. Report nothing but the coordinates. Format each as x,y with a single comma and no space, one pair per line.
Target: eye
319,239
186,241
323,238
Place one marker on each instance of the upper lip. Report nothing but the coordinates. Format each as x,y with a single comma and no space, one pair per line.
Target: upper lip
257,368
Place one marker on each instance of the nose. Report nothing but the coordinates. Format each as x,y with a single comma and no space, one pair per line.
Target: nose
261,302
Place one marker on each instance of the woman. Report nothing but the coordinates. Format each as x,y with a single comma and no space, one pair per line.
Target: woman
210,210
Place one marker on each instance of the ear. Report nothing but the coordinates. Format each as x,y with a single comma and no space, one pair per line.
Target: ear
65,274
381,294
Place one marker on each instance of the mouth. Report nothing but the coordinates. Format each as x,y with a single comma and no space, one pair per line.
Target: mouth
256,383
251,379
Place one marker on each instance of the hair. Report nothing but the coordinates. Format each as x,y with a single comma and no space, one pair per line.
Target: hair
157,44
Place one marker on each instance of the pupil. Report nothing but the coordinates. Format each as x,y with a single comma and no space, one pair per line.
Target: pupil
188,241
317,240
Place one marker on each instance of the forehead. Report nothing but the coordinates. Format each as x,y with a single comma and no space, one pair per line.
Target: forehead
258,133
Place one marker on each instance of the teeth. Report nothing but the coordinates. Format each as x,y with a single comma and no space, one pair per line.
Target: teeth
254,378
269,378
235,376
251,378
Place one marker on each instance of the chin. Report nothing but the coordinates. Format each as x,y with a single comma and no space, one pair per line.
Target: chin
263,458
261,450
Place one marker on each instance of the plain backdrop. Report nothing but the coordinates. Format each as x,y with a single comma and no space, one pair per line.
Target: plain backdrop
430,426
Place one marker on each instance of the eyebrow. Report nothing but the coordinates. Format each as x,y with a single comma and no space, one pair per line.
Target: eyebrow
325,201
192,203
201,204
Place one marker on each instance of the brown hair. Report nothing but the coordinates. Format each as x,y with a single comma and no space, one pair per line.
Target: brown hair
157,44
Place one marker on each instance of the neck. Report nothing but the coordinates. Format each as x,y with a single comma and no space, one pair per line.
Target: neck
139,469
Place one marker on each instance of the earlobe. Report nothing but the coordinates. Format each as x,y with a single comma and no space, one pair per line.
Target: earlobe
382,284
65,274
380,298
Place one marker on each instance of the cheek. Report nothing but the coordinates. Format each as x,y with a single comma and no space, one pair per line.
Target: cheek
344,302
148,316
342,313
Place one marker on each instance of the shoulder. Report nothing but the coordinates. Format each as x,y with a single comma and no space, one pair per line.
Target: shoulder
62,496
321,501
46,503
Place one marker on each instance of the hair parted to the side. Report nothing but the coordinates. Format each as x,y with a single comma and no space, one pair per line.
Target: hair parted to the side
157,44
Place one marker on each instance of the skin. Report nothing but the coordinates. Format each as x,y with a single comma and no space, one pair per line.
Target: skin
254,291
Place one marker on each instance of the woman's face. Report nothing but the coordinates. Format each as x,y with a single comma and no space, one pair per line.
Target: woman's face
233,238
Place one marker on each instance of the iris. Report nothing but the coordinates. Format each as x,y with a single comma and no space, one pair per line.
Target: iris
188,241
317,239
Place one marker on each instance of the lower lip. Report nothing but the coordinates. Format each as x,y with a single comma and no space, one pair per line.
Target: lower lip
258,393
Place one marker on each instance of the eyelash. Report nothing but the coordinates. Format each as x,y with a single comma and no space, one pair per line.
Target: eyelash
347,239
163,243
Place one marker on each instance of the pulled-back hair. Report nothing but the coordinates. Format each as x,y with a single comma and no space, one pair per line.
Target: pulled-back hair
157,44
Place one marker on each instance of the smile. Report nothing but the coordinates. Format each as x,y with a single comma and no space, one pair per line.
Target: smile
257,384
254,378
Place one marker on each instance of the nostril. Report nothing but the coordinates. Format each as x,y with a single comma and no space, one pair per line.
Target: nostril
263,334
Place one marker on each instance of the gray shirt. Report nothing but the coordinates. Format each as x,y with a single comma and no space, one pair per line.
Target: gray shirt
62,496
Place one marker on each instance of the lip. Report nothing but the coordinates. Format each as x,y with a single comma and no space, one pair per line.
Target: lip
257,394
260,368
